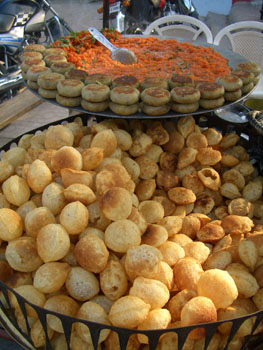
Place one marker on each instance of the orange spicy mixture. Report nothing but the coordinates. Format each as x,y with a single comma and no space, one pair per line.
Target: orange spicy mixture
156,57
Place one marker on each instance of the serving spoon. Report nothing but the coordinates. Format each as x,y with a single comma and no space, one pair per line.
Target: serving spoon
122,55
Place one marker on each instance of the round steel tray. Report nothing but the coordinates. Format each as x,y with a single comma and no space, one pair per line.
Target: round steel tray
233,60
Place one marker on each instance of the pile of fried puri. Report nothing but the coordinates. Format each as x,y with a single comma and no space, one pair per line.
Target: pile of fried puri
136,224
47,71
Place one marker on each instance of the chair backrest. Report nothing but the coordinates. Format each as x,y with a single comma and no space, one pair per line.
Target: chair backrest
246,38
180,26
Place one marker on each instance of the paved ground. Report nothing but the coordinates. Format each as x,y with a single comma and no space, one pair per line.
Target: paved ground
81,14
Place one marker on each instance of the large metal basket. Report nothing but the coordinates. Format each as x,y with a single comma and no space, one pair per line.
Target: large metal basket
254,144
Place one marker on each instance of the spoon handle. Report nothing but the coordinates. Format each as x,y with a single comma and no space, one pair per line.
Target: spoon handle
101,38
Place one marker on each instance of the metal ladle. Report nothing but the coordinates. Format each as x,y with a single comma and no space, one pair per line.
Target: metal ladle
122,55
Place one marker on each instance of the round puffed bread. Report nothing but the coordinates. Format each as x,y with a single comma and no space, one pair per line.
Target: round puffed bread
211,103
79,74
211,91
155,110
50,59
124,95
250,67
94,106
95,92
246,88
34,72
230,82
70,87
68,101
35,47
47,93
123,109
49,81
32,84
245,76
180,80
155,96
126,80
185,94
61,67
103,79
232,96
154,82
30,62
31,55
185,107
54,51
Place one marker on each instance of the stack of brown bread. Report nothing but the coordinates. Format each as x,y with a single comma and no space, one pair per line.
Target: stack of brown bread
69,92
124,100
185,99
155,101
47,83
212,95
253,68
232,84
95,97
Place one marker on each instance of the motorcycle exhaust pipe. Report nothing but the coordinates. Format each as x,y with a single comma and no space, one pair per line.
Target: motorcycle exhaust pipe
8,83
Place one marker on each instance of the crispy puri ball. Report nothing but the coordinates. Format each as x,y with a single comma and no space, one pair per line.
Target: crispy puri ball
141,144
143,261
38,334
92,157
155,235
145,189
112,175
66,157
190,226
128,311
165,275
186,157
38,176
218,286
187,272
132,167
121,235
106,140
16,190
91,253
116,204
92,312
53,242
229,140
61,304
31,294
96,217
11,224
166,179
197,250
138,219
36,219
192,182
151,291
210,178
6,170
113,280
74,217
53,198
168,161
152,211
210,233
181,195
237,224
196,140
173,224
175,143
124,139
246,283
15,156
204,204
51,276
81,284
177,302
198,310
218,260
72,176
241,206
208,156
158,134
252,191
157,319
171,252
21,254
79,192
58,136
148,167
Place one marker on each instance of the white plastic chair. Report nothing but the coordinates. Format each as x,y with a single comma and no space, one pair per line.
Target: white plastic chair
245,38
180,26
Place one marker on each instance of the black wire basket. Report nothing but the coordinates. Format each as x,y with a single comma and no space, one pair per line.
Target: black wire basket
22,334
